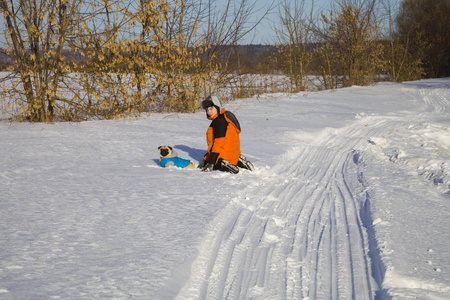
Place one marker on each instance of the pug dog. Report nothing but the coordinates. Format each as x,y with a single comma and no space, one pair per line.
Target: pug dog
169,158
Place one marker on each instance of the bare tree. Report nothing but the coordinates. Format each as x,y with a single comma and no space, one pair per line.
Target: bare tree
423,29
399,63
294,35
45,38
225,28
351,47
394,63
102,72
37,31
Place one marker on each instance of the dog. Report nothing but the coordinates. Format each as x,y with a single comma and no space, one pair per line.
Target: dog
169,158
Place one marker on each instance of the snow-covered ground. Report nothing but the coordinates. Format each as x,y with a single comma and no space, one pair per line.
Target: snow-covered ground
349,200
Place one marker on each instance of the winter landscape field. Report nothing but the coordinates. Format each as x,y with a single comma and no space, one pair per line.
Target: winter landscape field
350,199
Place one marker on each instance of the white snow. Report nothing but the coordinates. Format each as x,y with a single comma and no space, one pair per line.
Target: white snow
350,199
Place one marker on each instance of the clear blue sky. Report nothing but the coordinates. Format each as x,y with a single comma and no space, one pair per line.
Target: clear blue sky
264,33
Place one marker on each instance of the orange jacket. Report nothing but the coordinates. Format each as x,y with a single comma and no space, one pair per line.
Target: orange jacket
222,137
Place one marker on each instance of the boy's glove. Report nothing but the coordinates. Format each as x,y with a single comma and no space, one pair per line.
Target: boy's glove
208,168
202,164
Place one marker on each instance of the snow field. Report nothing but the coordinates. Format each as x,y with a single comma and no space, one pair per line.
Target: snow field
349,200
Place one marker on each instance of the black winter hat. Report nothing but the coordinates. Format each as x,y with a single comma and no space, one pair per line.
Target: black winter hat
211,101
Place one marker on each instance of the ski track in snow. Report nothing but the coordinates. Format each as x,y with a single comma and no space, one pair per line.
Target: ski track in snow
291,223
302,233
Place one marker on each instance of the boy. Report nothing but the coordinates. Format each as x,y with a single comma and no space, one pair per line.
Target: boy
222,136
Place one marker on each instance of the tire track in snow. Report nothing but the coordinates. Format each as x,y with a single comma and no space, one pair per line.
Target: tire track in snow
297,235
